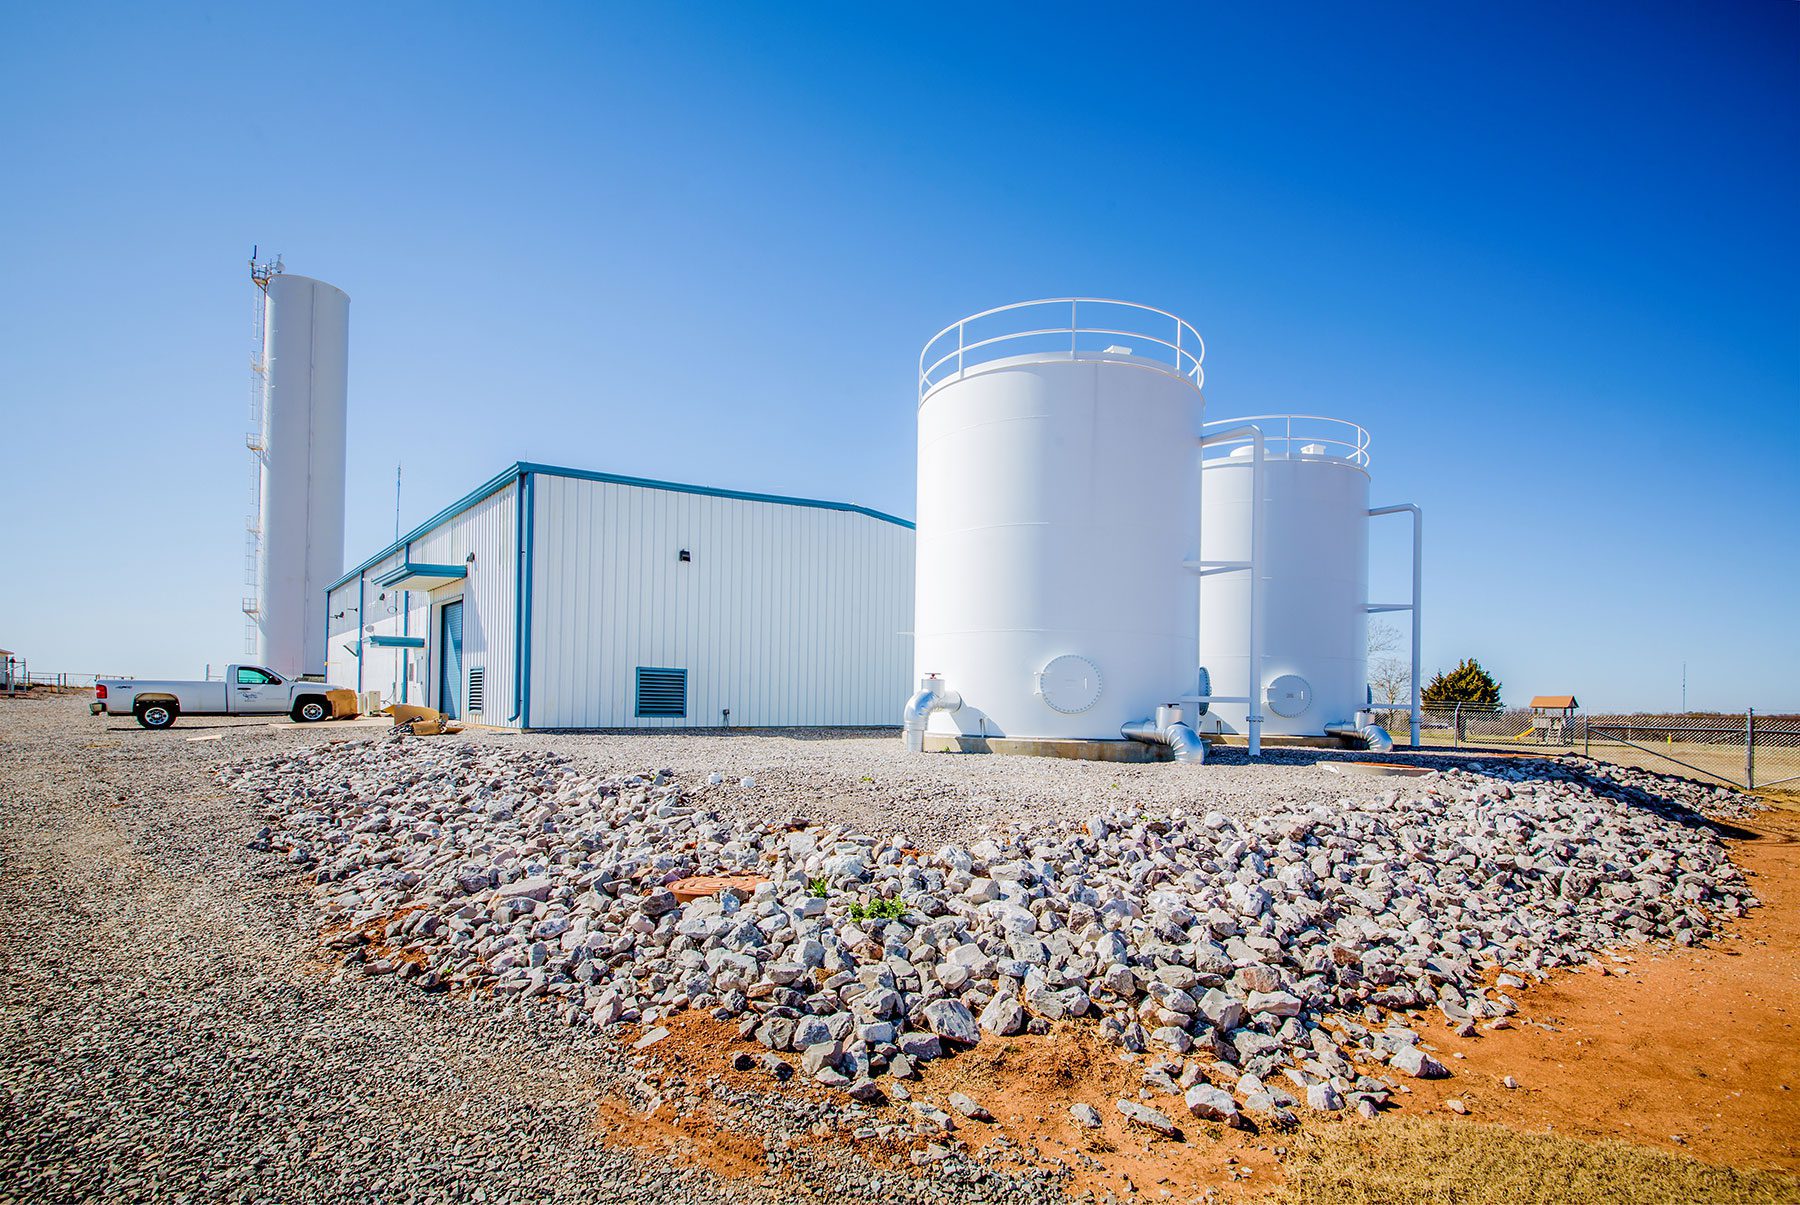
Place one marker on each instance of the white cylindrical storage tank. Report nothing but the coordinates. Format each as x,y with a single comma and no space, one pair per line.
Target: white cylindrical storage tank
1058,490
1315,574
306,342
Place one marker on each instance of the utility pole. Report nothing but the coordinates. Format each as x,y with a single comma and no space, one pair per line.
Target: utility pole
1684,688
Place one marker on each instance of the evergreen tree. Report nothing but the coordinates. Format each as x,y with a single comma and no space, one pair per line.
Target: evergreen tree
1467,683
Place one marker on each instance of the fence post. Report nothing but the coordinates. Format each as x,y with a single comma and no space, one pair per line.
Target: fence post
1750,748
1456,728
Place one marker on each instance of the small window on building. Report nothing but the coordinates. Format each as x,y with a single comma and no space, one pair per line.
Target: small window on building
477,687
251,676
661,693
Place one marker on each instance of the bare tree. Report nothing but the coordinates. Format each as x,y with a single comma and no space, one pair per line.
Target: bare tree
1390,675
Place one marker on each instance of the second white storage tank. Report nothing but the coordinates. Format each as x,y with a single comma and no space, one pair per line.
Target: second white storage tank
1315,574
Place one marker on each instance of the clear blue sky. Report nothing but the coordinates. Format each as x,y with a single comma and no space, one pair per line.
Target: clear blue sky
1547,254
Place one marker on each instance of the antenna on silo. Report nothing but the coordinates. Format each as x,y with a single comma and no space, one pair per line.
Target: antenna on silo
261,269
396,502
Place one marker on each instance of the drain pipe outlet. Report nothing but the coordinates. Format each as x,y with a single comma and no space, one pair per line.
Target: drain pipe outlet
1374,737
1167,729
916,714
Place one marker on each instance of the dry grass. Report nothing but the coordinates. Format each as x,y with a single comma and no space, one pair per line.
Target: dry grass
1411,1159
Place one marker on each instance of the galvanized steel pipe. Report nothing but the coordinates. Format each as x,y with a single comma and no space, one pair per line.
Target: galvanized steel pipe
1374,737
932,696
1177,736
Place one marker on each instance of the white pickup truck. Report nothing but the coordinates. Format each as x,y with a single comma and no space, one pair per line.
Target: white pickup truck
246,690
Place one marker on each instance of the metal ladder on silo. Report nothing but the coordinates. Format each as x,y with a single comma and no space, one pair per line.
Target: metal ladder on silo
255,441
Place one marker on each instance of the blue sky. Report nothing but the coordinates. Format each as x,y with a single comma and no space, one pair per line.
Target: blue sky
1545,253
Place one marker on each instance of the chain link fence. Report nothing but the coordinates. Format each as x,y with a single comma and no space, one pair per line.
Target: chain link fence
1748,750
1744,750
1470,726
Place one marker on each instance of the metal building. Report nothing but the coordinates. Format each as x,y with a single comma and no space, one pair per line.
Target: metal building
559,598
295,541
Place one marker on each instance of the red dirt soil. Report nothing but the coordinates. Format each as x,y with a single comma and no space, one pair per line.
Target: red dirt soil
1689,1050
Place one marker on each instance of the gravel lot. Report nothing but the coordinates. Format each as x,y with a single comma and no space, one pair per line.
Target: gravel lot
170,1027
868,779
171,1024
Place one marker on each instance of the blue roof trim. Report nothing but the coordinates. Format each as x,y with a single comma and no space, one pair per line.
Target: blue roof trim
396,642
550,470
406,569
500,481
480,493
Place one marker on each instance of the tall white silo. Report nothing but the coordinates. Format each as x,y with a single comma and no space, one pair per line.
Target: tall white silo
305,362
1314,576
1057,522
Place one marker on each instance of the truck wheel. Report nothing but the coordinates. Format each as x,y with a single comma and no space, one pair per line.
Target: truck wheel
156,715
310,711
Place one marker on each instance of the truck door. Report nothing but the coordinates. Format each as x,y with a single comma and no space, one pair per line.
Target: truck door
256,692
450,660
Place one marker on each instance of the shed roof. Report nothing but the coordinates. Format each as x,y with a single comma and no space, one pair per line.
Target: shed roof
1555,702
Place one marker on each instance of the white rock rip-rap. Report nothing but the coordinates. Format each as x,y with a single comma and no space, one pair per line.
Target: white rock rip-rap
1267,955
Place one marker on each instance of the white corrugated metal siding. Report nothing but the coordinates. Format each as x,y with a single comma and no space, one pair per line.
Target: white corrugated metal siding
487,529
490,608
788,614
340,666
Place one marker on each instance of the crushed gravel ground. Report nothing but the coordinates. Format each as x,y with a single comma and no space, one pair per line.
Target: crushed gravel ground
172,1024
169,1026
868,779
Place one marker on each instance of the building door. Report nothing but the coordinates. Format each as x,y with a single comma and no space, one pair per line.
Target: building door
450,660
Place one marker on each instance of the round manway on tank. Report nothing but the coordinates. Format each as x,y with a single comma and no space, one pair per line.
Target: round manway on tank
1315,574
1058,486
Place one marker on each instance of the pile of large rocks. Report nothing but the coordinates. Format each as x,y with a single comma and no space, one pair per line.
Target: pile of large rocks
1259,960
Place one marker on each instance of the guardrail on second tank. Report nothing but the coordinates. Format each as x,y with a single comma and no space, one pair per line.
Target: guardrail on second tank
1288,435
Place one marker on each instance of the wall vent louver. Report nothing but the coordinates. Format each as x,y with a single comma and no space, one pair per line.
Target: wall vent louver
477,687
661,693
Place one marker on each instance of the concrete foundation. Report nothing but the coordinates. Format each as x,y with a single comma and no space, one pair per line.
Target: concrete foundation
1233,741
1079,750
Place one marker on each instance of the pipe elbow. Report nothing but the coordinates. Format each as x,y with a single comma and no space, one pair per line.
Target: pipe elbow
1186,744
931,696
1177,737
1373,737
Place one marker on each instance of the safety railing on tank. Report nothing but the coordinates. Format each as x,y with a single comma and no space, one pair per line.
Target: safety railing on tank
1052,328
1292,435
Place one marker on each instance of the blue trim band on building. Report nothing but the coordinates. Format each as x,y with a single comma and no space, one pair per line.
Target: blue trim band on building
519,618
549,470
362,600
528,503
396,642
519,470
406,628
